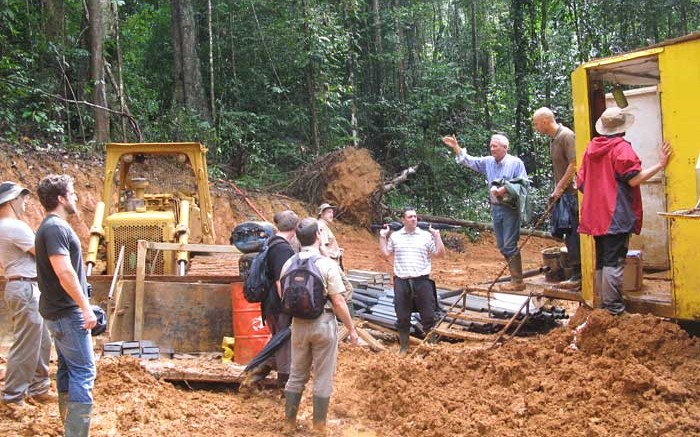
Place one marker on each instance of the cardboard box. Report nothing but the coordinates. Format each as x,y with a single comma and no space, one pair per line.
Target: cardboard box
632,276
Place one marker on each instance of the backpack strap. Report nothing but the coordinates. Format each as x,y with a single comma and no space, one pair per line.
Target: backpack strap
275,240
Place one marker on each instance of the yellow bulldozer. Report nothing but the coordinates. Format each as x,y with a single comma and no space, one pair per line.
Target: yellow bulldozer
156,192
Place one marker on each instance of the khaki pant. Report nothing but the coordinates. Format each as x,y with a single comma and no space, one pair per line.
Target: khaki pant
314,343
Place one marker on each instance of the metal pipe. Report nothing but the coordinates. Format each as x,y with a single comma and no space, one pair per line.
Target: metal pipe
96,233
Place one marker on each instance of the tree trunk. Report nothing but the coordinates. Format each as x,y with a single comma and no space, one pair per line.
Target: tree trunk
211,64
520,61
311,84
378,49
189,88
53,19
350,19
544,57
398,29
120,81
97,72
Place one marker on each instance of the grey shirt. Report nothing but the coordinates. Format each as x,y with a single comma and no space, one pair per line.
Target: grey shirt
56,237
16,238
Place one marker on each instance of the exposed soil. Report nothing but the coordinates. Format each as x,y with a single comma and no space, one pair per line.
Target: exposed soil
631,375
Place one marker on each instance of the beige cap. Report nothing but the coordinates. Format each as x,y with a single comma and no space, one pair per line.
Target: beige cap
323,207
614,121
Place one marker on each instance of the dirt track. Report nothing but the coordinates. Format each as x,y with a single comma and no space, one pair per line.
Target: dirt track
634,375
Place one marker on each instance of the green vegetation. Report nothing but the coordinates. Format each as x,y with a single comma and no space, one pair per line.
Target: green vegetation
293,80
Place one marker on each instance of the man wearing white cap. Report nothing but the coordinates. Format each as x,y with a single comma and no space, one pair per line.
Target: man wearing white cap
28,359
609,178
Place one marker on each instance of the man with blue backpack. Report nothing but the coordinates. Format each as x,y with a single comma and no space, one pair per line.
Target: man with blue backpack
312,293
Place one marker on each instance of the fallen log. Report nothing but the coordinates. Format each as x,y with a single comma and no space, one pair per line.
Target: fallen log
402,177
475,225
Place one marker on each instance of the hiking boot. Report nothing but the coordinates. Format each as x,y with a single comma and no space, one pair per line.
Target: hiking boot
43,398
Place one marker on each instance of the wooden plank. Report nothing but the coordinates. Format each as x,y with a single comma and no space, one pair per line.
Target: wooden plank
214,248
140,290
374,345
472,316
461,335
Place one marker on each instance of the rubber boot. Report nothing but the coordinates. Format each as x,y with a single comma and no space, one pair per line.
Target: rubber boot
515,266
77,419
403,342
291,406
611,290
282,379
320,413
62,405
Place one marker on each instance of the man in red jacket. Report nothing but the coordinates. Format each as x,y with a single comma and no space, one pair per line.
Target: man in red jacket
609,178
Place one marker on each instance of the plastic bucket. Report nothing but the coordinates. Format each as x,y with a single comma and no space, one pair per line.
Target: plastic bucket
248,329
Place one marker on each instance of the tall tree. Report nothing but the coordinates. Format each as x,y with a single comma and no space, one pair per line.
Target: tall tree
521,70
189,88
311,80
97,72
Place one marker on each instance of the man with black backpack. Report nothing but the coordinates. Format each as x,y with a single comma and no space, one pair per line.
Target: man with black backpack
278,252
312,293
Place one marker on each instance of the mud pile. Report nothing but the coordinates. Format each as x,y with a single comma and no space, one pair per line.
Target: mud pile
349,178
352,183
632,375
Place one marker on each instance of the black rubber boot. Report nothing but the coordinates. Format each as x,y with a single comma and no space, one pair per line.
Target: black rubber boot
77,419
320,413
282,379
291,406
62,405
403,342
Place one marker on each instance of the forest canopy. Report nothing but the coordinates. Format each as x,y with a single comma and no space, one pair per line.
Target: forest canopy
269,86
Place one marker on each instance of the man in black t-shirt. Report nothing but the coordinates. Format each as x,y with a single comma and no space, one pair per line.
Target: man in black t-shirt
64,302
280,250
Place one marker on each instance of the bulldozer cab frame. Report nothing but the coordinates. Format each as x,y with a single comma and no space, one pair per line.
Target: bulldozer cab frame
128,213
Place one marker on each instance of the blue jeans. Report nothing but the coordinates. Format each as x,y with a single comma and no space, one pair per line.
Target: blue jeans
506,225
76,360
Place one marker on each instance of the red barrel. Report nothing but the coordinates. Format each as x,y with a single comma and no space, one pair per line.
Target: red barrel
248,329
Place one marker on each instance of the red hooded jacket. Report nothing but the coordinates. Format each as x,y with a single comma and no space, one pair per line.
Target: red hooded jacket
610,205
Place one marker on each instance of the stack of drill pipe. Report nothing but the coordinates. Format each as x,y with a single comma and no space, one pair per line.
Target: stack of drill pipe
502,307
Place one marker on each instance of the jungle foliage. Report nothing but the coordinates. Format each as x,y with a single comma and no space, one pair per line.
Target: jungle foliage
269,85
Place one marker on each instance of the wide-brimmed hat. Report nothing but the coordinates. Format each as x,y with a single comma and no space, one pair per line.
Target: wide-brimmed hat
614,120
323,207
11,191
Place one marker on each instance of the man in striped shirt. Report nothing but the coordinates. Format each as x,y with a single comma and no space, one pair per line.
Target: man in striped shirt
412,248
499,166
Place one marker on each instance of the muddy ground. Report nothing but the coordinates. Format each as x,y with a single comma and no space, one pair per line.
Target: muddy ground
629,376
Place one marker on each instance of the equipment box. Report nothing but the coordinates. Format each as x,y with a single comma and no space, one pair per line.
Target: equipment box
632,277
